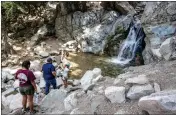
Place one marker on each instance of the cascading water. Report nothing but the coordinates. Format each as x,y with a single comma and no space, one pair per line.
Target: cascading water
132,45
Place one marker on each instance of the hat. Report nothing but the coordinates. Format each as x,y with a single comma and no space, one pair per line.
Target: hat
49,60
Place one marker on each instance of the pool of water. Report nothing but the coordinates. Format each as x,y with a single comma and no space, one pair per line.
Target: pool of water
81,62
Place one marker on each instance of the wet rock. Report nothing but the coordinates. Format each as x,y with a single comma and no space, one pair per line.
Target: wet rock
138,91
8,91
115,94
163,102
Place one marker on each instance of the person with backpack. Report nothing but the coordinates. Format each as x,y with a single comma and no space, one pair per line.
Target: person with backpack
27,86
49,75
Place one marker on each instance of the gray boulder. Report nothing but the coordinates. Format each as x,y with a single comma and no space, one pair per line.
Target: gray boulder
140,79
70,102
163,102
166,48
138,91
159,26
115,94
55,100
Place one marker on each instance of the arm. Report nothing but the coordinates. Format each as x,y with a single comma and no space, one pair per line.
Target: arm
53,71
34,85
32,78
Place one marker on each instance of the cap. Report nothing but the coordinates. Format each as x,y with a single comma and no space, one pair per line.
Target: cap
49,60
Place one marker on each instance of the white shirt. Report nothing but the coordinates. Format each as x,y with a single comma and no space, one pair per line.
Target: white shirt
65,72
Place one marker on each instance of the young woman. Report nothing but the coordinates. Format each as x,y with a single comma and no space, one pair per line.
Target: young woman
27,85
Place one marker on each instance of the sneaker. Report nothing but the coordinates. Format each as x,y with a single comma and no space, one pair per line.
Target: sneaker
24,110
33,112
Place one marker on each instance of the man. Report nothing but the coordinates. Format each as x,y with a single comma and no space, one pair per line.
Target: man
27,85
49,75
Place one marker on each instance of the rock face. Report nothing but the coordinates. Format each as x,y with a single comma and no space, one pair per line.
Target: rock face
92,28
163,102
138,91
115,94
159,25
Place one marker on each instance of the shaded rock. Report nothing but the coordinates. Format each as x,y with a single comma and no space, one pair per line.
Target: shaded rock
115,94
140,79
70,101
157,87
163,102
138,91
124,8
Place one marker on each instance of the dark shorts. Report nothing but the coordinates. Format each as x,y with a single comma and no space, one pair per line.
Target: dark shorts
27,90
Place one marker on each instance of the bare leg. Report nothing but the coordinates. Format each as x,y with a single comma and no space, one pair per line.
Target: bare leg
31,105
24,101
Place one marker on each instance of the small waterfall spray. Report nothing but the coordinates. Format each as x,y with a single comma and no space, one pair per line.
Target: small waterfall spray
133,44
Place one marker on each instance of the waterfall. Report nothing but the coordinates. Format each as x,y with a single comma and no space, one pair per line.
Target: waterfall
133,44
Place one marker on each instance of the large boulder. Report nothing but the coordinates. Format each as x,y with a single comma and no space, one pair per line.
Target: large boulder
167,48
115,94
163,102
159,25
70,102
54,101
86,80
138,91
